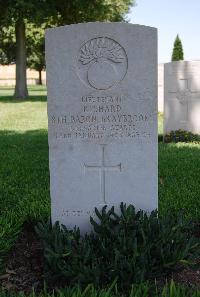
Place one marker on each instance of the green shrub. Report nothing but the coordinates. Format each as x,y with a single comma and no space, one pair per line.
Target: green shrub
181,136
140,290
173,290
130,247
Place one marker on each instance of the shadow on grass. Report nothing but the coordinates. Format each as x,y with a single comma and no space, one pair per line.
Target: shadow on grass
179,177
32,137
24,169
11,99
24,183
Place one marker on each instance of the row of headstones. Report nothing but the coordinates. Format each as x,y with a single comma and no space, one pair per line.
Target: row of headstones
102,114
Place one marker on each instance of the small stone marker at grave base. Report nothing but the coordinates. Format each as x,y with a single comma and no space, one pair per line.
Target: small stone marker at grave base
102,114
182,96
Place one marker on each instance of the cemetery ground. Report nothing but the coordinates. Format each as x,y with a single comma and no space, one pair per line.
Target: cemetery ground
25,197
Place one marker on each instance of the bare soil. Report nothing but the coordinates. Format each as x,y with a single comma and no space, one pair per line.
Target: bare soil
24,269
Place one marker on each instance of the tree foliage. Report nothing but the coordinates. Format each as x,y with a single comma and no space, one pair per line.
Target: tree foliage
16,13
20,13
177,53
13,11
36,48
7,49
78,11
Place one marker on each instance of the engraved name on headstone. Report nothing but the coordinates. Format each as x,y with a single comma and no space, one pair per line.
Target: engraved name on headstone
102,112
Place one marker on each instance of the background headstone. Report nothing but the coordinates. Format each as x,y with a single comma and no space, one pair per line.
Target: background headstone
182,96
102,113
160,87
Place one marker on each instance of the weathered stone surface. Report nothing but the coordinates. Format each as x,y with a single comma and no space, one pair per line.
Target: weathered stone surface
182,96
102,111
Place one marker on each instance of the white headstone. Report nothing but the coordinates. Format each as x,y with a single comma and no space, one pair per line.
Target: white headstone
182,96
160,87
102,111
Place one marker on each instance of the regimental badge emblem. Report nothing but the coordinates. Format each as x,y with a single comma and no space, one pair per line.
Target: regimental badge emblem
102,63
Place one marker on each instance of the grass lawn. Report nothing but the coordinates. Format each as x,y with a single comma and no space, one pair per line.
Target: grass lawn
24,175
21,116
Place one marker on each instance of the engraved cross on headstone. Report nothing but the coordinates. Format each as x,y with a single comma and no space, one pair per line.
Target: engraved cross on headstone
184,95
102,168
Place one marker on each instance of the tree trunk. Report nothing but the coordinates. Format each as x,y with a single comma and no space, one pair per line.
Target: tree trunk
40,77
21,91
